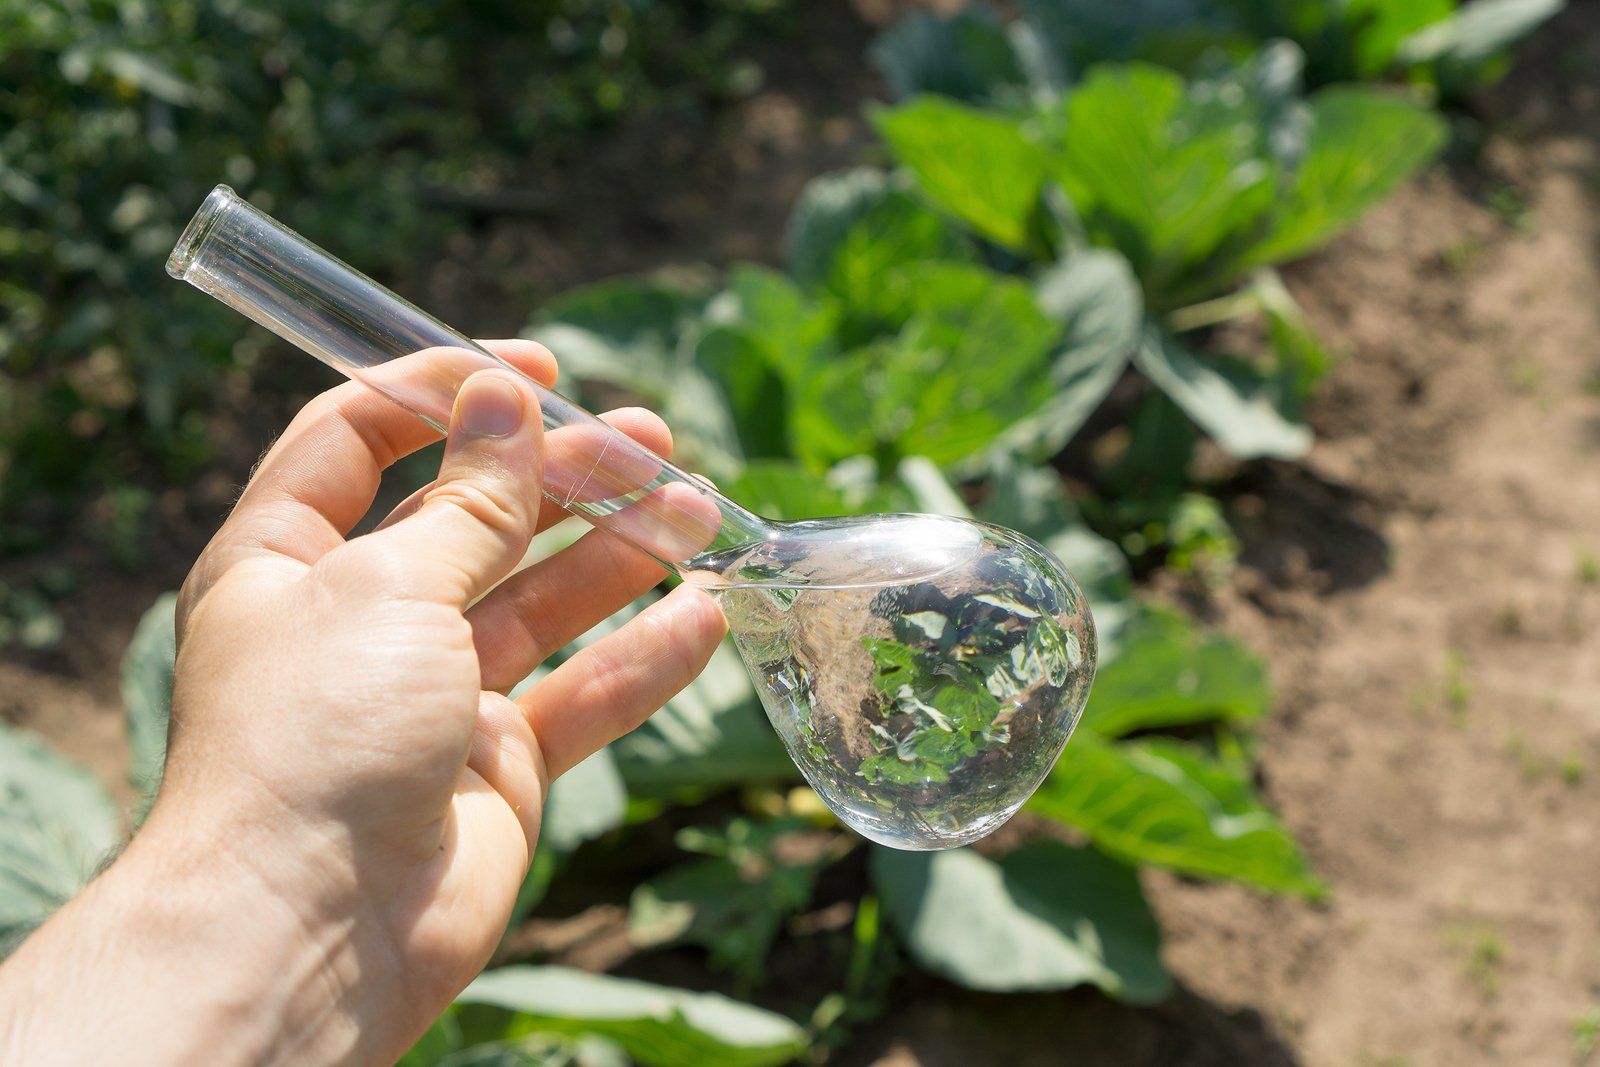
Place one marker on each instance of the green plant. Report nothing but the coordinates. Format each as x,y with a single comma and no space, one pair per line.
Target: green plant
1573,769
1483,955
1456,690
59,825
1192,189
753,877
1585,1035
1447,47
518,1008
1587,568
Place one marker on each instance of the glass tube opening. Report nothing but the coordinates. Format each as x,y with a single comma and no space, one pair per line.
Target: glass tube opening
218,203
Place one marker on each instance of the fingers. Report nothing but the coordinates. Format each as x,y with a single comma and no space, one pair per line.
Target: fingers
529,357
574,447
330,459
320,477
505,754
645,427
554,601
474,525
613,685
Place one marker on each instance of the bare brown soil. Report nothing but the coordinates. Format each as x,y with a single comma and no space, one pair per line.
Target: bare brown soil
1425,590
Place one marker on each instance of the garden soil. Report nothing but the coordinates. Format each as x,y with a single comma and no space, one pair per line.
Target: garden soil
1425,589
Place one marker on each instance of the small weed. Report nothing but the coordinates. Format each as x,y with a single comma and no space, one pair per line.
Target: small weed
1591,383
1461,256
1573,770
1526,376
1511,204
1485,952
1585,1035
1457,693
1532,766
1588,568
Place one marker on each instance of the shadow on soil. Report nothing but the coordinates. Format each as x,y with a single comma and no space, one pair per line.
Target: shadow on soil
1298,529
936,1025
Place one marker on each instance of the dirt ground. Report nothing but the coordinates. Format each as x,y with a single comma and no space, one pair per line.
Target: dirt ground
1425,589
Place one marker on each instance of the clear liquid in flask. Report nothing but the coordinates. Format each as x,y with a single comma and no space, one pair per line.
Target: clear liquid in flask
924,712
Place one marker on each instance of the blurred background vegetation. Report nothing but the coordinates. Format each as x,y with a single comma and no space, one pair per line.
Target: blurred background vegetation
1047,291
115,117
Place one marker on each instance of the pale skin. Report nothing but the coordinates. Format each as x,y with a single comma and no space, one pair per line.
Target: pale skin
351,800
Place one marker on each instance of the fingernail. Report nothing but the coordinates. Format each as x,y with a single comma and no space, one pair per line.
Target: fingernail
489,406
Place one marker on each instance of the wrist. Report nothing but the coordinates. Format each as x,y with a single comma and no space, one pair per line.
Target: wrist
192,956
266,961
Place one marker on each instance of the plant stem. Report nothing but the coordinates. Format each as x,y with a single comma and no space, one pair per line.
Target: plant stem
1210,312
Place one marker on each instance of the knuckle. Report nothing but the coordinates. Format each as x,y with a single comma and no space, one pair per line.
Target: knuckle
531,618
683,646
609,690
490,503
677,654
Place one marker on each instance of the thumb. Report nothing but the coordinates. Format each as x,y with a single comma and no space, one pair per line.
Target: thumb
474,524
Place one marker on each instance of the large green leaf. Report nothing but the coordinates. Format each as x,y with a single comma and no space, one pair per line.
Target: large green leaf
870,273
1246,413
629,315
1363,143
584,803
1166,804
786,328
1045,916
1258,97
1094,293
57,824
1383,26
781,489
532,1050
147,693
1163,179
658,1026
828,207
1169,673
760,334
965,56
734,900
983,168
639,335
849,227
1476,34
967,364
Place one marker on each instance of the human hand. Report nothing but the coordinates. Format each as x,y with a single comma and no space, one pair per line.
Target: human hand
347,787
